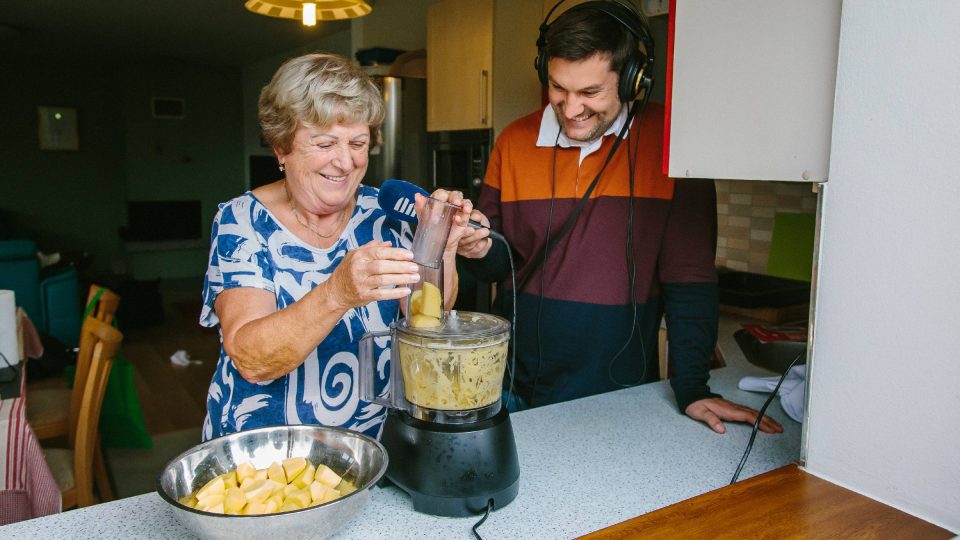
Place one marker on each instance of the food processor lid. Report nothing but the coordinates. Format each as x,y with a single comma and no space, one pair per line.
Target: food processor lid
461,324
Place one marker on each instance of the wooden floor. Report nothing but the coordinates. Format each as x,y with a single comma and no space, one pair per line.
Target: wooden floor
173,398
783,503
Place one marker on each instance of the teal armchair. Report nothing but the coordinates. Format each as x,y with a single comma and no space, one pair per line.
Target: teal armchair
51,298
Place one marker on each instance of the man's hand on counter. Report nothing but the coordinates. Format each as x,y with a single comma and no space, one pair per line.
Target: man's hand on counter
713,411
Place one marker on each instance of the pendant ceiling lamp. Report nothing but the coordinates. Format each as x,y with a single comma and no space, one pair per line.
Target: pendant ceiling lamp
310,11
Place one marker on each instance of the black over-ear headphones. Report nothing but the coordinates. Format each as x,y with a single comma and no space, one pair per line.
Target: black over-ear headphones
635,75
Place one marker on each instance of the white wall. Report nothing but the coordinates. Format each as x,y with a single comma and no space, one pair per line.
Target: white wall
395,24
884,404
258,75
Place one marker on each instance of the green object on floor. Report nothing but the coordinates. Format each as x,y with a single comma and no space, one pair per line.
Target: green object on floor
791,246
121,418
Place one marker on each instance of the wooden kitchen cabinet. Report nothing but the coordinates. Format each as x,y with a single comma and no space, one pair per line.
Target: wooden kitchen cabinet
459,64
752,89
480,55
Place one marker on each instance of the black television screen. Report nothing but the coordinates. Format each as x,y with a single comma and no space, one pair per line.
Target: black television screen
153,221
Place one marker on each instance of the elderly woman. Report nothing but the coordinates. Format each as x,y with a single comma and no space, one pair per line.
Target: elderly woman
301,268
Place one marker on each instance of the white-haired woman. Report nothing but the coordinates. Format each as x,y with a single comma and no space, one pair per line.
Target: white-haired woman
301,268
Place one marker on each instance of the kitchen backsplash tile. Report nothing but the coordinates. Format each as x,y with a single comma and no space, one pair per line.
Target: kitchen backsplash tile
745,212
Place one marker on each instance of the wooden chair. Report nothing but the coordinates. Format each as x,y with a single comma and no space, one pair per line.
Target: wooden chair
73,468
51,411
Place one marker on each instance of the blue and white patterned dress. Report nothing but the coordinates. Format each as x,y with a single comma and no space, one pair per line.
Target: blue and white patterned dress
251,248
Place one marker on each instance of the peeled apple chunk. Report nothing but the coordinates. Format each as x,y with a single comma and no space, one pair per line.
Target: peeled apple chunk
291,485
426,306
213,487
244,471
423,321
326,476
275,473
293,466
432,302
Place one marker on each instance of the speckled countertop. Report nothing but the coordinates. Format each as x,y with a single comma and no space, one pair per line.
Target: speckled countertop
584,465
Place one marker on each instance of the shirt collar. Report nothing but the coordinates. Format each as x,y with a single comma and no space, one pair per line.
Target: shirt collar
549,126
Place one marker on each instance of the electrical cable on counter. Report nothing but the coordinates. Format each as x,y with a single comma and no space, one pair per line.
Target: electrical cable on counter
484,518
756,424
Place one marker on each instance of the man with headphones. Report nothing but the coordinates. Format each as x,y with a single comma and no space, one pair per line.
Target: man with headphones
605,243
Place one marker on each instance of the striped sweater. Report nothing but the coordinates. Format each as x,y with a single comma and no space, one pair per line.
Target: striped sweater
575,314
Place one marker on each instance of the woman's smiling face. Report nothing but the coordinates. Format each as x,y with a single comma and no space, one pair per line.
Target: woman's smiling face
325,165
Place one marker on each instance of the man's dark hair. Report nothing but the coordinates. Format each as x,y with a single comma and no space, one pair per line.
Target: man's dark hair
578,34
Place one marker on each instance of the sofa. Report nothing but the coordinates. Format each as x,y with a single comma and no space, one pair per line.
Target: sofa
50,297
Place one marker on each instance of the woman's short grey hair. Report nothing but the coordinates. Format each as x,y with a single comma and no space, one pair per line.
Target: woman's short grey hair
318,90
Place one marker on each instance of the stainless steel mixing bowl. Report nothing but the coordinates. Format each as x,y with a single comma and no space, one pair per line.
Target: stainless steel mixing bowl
358,458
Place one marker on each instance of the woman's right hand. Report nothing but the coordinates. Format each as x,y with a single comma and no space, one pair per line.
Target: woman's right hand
375,271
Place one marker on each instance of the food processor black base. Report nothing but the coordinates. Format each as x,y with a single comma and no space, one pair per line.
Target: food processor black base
453,470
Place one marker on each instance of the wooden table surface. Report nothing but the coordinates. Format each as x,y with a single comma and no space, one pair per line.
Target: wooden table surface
783,503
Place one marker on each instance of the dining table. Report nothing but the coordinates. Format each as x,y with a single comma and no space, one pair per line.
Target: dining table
27,487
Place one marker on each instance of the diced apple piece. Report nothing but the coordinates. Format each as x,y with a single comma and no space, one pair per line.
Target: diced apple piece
259,490
213,487
229,479
275,500
255,509
325,475
306,477
288,506
288,489
189,500
345,488
210,501
432,302
416,302
235,500
294,466
332,495
215,509
318,491
271,506
261,474
423,321
245,470
275,473
302,496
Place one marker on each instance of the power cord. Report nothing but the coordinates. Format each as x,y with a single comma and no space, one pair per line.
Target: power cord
14,373
512,367
756,424
484,518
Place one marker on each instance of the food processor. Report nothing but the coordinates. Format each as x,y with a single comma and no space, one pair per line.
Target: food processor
449,439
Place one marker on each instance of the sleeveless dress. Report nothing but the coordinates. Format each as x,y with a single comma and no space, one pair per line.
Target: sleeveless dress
251,248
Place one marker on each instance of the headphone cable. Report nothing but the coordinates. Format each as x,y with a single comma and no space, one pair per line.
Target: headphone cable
543,265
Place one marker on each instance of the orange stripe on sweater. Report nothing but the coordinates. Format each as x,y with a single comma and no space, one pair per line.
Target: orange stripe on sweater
529,169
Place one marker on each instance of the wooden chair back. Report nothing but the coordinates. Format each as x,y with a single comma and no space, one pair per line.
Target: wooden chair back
104,311
104,343
107,304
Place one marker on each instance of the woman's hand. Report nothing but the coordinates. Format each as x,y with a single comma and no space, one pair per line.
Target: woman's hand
375,271
460,219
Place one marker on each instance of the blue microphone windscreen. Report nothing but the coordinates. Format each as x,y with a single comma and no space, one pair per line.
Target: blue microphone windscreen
396,198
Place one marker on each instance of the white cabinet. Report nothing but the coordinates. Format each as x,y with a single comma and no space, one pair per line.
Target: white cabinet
752,89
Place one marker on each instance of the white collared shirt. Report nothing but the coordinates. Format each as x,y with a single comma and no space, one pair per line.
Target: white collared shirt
549,126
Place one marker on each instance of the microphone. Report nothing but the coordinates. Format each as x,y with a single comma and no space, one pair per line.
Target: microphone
397,199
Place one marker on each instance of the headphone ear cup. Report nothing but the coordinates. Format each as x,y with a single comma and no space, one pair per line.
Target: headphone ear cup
541,66
628,87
